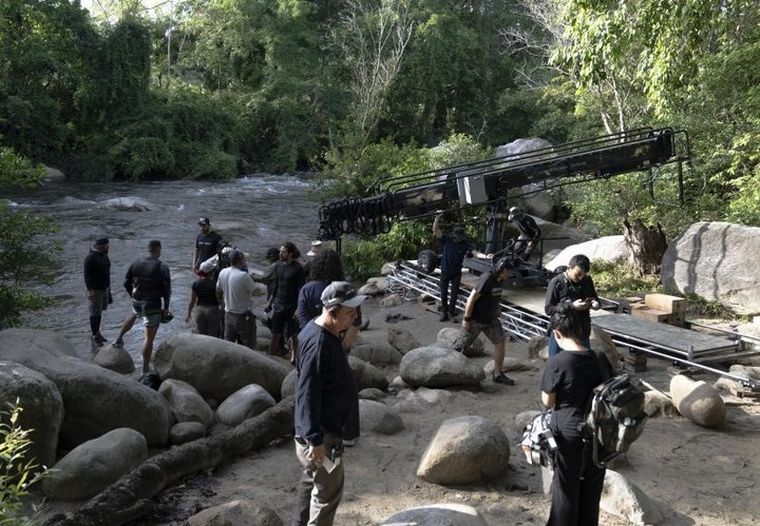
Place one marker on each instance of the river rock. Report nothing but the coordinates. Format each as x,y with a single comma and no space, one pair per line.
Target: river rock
366,374
712,260
372,393
611,249
95,399
437,515
127,204
731,385
435,366
116,359
94,465
288,387
624,499
53,174
379,418
394,300
465,449
381,282
186,403
697,401
370,289
236,513
448,336
402,340
245,403
373,347
186,432
42,408
215,367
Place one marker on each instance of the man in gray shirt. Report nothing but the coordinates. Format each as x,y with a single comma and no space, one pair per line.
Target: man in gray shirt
234,288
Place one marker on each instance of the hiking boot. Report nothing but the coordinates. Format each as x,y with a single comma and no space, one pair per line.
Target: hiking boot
503,379
444,317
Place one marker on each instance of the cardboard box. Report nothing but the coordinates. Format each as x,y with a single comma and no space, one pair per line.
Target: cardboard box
654,315
665,303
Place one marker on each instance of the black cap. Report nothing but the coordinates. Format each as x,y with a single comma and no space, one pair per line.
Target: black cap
341,293
101,242
204,221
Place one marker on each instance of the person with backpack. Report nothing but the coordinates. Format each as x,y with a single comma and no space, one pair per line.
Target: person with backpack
567,385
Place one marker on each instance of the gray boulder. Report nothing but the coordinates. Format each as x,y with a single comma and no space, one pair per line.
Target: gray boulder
373,347
117,359
366,374
372,393
609,248
624,499
127,204
95,399
402,340
96,464
379,418
42,408
448,336
465,449
731,385
288,387
186,403
236,513
602,342
394,300
435,366
245,403
186,432
713,260
437,515
697,401
215,367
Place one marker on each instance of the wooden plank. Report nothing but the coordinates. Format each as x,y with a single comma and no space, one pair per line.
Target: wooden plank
648,314
665,303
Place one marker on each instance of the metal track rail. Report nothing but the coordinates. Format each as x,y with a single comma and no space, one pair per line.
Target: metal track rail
523,324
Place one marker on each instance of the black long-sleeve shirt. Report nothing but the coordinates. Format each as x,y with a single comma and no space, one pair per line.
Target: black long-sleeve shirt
326,388
97,271
562,290
148,280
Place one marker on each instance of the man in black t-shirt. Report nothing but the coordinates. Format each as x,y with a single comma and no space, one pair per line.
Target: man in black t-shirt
289,278
481,314
206,243
529,232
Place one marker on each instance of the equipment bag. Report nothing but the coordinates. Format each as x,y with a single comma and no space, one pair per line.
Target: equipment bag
616,417
538,441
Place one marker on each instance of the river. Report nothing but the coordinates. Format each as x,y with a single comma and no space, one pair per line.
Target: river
253,213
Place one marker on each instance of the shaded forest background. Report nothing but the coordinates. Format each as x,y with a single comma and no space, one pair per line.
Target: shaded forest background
354,89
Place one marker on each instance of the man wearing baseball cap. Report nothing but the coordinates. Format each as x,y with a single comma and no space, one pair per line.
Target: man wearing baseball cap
206,243
97,281
325,394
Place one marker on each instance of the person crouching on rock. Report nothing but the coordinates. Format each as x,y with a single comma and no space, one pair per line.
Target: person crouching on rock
567,383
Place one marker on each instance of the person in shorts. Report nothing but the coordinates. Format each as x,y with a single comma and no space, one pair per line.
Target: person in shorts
289,278
97,281
148,283
481,314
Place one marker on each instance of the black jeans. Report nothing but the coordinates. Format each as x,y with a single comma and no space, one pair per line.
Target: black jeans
575,502
454,279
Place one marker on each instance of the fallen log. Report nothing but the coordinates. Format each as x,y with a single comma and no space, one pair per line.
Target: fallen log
129,498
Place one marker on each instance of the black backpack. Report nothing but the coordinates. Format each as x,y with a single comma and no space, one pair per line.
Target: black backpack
615,417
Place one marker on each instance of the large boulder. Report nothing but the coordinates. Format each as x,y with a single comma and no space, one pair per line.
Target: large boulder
435,366
373,347
609,248
94,465
539,202
366,374
186,432
95,399
215,367
186,403
288,387
236,513
245,403
697,401
402,340
624,499
715,261
465,449
42,408
437,515
379,418
129,203
117,359
448,336
602,342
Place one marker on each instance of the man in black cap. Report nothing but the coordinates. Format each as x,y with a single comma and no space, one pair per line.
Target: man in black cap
97,281
206,243
325,394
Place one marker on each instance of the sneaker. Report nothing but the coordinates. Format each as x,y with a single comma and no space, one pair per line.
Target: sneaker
444,317
95,342
349,442
99,338
503,379
119,344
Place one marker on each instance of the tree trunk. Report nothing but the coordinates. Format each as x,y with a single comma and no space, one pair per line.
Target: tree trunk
128,498
647,244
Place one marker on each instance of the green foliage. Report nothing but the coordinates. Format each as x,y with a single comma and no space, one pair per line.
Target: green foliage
17,473
619,280
18,170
